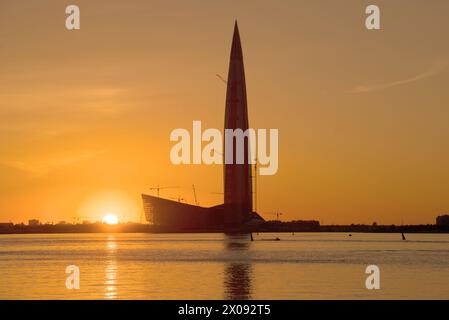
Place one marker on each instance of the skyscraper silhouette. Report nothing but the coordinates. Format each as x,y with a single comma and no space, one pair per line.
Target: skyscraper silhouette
237,209
237,177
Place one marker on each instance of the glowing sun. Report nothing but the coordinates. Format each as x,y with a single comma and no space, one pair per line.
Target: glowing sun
110,218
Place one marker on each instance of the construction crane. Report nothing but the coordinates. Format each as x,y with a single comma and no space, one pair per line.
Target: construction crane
255,186
221,78
194,195
158,188
278,214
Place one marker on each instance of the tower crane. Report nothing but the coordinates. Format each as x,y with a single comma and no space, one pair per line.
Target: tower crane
278,214
194,195
158,188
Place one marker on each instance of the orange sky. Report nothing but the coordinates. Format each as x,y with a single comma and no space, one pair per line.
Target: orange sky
85,116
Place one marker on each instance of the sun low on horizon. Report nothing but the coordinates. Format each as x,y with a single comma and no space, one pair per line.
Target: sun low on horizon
110,207
110,218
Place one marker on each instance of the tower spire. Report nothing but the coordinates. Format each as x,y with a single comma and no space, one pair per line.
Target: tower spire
237,177
236,48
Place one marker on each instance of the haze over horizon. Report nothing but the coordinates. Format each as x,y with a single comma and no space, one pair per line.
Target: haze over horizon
85,116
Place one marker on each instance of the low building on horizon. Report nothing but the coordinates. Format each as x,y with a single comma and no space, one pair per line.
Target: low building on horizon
443,220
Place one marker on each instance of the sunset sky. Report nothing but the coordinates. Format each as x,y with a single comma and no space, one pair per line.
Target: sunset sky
363,116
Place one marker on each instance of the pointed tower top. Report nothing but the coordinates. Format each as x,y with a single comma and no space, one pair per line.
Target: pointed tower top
236,49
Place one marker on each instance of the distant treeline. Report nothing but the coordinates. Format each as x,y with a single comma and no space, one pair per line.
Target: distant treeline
6,228
421,228
267,226
314,226
289,226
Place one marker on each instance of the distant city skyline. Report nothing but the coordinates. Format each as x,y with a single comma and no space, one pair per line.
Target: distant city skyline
85,115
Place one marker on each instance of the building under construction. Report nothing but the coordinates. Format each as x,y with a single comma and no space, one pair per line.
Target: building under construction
237,210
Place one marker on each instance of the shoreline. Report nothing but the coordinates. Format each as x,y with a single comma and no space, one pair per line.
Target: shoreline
278,227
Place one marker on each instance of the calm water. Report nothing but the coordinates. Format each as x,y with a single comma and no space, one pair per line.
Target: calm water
216,266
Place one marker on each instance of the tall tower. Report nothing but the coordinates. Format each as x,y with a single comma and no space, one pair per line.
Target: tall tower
237,177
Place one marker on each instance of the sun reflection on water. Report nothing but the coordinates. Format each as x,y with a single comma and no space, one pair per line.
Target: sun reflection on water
110,282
